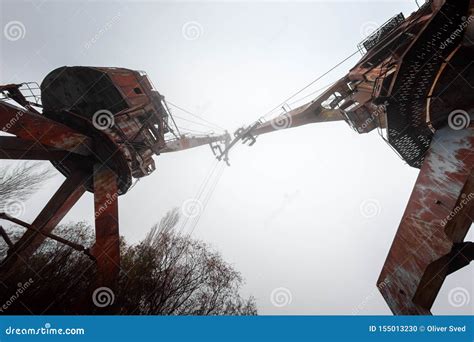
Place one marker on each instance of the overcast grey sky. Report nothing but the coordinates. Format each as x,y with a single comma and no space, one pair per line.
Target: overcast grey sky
287,213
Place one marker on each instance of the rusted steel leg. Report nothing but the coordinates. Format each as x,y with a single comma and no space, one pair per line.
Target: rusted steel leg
439,213
106,249
58,206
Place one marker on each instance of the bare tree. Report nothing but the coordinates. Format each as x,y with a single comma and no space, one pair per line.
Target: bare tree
21,180
165,274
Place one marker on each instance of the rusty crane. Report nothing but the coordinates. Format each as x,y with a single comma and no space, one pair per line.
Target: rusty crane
100,128
413,84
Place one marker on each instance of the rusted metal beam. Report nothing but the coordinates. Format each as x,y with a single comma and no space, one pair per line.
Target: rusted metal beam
106,249
5,237
433,227
28,125
58,206
54,237
17,148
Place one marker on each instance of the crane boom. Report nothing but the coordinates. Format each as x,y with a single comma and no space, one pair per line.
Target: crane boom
345,100
186,141
303,115
311,112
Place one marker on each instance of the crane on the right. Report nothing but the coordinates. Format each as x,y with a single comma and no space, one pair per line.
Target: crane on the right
414,84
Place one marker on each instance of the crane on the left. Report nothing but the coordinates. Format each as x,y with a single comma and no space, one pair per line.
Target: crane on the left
100,127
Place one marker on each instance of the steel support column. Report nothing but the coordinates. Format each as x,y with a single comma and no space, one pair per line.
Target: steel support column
106,249
438,216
